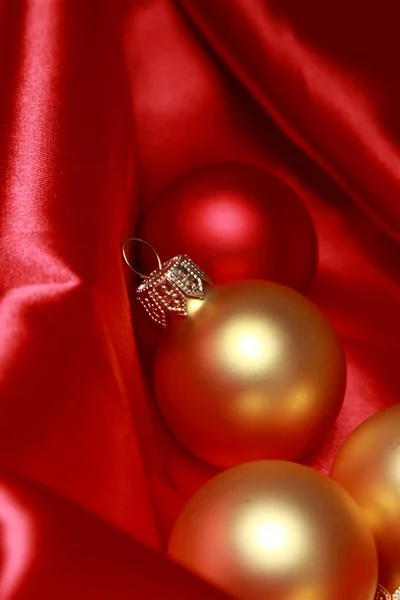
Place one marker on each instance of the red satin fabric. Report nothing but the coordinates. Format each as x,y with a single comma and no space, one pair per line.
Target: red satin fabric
102,104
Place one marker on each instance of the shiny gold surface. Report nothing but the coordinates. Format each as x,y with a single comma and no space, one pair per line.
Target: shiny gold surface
273,530
368,466
255,371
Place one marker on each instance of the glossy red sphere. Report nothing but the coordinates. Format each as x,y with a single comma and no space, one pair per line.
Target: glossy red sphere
236,222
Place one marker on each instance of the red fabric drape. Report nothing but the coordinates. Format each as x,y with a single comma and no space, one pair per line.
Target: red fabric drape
101,105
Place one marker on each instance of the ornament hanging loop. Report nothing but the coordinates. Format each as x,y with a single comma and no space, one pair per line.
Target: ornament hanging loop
126,259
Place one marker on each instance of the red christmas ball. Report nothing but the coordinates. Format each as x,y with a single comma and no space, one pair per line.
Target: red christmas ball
236,222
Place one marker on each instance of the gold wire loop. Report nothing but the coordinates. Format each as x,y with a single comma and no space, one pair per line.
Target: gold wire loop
135,239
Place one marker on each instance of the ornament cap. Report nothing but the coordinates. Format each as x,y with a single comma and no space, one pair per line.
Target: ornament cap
383,594
167,288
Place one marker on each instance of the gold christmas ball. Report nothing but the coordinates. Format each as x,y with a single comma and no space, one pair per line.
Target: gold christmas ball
255,371
277,530
368,467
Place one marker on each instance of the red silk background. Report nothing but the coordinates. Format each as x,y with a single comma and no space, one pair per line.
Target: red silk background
102,104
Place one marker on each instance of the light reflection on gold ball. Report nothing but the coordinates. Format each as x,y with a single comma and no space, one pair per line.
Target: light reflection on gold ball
368,466
255,371
276,530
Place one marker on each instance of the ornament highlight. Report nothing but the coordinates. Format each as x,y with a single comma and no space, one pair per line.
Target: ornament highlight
368,467
254,371
238,222
277,530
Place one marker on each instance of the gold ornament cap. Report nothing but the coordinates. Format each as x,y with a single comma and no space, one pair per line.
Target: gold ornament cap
383,594
167,288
